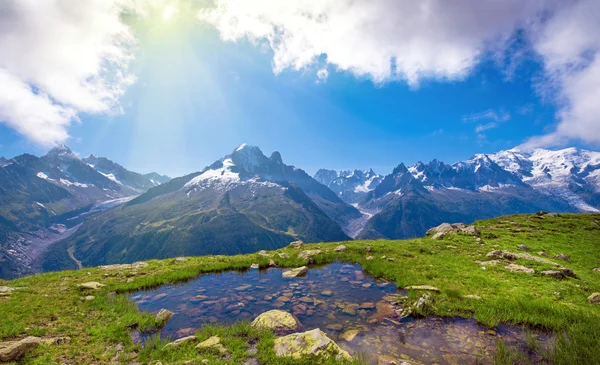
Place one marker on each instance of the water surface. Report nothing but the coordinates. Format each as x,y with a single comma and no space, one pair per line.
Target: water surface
336,298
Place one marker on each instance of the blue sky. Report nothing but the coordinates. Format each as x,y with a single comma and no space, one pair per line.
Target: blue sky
196,97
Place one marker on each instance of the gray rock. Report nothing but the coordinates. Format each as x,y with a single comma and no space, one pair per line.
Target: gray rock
297,244
562,256
297,272
594,298
523,248
553,273
340,248
254,266
314,342
92,285
13,350
519,269
163,316
182,341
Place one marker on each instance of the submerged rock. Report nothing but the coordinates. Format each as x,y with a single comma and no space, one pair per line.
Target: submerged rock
13,350
314,342
297,272
276,320
349,335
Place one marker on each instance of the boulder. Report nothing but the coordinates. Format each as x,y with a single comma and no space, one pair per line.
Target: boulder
296,244
447,228
519,269
297,272
567,272
470,231
163,316
553,274
308,255
213,342
182,341
340,248
562,256
6,291
523,248
13,350
283,255
423,287
263,253
272,263
180,259
92,285
596,269
314,342
254,266
594,298
276,320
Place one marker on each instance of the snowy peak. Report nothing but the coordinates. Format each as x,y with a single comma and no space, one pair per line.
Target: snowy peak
570,174
62,152
249,158
350,185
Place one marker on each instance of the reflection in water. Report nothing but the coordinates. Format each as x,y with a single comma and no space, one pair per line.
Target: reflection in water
352,307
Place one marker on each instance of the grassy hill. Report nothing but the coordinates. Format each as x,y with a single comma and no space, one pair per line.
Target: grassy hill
52,305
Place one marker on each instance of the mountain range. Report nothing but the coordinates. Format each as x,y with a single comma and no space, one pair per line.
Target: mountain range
43,198
98,212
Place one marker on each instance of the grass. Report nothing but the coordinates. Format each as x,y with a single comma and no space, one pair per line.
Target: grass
52,305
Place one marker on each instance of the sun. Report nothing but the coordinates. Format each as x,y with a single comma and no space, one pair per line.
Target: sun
169,12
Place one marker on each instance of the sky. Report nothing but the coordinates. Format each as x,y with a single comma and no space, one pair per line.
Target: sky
173,85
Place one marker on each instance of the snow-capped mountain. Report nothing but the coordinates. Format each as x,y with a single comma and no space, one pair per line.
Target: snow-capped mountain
55,190
570,174
247,164
120,175
350,185
241,203
508,182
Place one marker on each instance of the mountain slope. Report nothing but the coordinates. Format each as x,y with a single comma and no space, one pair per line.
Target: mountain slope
242,203
41,198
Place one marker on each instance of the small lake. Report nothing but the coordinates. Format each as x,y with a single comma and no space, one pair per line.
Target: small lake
335,298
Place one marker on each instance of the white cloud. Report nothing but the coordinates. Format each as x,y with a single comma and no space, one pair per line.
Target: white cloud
383,39
430,39
322,74
569,44
59,58
490,114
